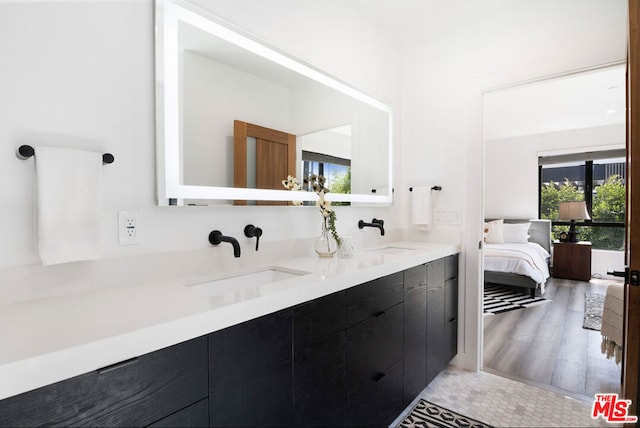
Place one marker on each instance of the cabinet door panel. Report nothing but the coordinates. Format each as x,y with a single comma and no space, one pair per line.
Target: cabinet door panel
450,348
451,300
319,318
415,332
251,373
435,332
436,273
415,343
371,298
134,393
372,347
319,382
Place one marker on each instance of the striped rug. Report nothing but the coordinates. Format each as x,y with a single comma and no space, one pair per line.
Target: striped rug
498,299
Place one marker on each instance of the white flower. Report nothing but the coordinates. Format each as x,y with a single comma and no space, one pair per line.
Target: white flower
316,182
291,183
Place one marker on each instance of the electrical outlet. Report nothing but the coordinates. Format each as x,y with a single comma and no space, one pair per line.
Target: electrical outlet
128,227
447,216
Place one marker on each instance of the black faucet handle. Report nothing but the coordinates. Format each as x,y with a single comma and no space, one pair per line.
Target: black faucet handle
378,221
250,231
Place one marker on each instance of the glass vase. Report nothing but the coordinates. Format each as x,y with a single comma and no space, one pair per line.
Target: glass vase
326,245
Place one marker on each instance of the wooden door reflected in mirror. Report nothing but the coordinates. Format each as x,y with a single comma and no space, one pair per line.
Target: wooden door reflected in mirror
266,164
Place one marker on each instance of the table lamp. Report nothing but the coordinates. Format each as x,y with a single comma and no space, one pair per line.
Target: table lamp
573,211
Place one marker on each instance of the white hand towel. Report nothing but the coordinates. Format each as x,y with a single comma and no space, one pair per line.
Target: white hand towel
421,207
68,204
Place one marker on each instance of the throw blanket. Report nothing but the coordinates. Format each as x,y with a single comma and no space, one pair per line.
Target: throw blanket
528,259
612,322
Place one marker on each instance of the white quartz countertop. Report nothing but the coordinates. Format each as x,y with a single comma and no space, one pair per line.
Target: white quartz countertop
51,333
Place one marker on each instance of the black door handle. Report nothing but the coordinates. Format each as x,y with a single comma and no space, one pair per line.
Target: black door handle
631,277
621,274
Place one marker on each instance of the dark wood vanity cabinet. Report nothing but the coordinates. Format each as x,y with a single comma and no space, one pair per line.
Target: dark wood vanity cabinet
352,358
250,373
136,392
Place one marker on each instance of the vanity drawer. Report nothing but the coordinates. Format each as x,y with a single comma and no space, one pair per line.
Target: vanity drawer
370,299
372,347
451,267
135,392
194,416
379,402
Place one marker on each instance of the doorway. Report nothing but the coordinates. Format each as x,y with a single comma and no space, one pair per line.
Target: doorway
570,115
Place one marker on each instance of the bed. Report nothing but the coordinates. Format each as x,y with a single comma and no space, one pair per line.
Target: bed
517,253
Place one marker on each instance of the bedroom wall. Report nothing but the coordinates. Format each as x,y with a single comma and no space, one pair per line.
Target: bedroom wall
511,166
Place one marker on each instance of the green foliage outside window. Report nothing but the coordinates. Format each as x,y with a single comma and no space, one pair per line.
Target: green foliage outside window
608,205
552,194
609,200
341,183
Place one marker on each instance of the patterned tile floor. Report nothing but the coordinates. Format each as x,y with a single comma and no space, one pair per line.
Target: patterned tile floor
503,402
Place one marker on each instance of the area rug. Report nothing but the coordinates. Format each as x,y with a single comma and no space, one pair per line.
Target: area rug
499,299
593,306
427,414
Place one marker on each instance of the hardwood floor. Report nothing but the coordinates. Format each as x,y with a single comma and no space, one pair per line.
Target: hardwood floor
547,346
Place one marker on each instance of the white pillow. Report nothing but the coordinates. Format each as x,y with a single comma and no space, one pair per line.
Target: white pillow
516,232
493,232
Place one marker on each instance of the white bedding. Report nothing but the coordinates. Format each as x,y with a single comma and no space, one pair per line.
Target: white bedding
528,259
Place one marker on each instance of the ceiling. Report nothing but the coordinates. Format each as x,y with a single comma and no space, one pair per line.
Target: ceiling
576,101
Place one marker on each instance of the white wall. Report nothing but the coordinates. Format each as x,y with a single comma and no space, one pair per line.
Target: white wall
207,122
482,46
81,74
511,166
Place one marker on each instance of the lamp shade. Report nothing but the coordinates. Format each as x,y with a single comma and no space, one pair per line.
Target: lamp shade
573,211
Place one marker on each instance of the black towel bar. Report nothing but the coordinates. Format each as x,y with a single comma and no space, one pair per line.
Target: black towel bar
433,188
26,151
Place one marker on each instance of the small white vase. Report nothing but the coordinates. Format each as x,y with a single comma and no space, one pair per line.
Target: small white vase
345,249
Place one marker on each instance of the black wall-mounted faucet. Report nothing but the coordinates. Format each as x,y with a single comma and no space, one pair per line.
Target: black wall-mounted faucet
250,231
216,237
374,223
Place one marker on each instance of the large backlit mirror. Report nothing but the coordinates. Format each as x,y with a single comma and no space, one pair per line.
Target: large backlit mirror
235,117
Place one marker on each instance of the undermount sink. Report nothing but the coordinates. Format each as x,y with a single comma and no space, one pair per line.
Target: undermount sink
389,250
251,283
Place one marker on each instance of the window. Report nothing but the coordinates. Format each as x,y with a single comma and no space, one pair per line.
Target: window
336,171
598,178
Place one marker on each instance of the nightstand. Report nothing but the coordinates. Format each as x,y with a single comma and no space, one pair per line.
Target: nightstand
572,260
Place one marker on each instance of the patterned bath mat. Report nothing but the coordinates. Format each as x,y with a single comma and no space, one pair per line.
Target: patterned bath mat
427,414
593,305
499,299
